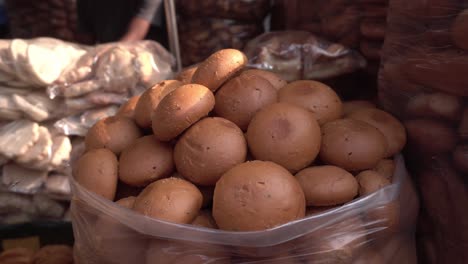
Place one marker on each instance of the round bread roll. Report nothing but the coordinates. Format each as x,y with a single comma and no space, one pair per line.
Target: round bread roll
114,133
180,109
257,195
150,99
219,67
205,219
352,106
271,77
327,185
241,97
386,168
208,149
128,109
286,134
206,191
314,96
352,144
370,181
145,161
126,202
391,128
97,171
459,29
54,254
186,75
172,199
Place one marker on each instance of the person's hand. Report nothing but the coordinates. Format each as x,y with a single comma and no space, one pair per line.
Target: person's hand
137,30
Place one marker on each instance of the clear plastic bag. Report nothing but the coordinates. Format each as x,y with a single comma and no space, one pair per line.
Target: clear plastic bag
358,24
18,208
374,229
33,146
299,55
78,125
423,80
122,68
200,37
26,62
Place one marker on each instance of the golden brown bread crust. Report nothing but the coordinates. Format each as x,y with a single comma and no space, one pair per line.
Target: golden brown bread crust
128,109
172,199
145,161
241,97
257,195
180,109
208,149
114,133
219,67
150,99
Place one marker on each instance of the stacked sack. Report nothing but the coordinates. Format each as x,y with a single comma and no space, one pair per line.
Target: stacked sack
424,80
208,26
53,18
358,24
52,90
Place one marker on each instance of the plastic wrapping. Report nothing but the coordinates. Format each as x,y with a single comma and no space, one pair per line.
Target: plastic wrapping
25,71
423,80
359,24
34,160
200,37
28,61
241,10
34,146
120,68
19,208
299,55
78,125
380,225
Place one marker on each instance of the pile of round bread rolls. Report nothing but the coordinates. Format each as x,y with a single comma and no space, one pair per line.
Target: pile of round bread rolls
223,146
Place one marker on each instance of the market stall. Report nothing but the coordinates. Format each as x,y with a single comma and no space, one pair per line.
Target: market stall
260,137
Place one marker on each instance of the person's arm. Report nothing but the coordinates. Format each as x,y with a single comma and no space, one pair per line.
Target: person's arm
140,24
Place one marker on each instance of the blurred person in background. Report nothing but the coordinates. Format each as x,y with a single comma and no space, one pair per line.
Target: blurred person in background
123,20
